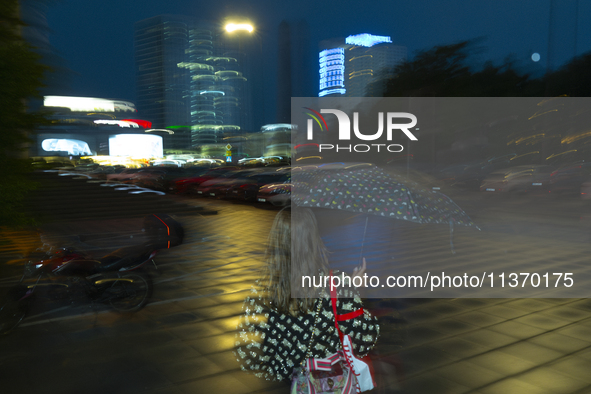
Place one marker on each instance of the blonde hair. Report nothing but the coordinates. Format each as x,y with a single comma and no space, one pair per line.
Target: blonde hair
295,249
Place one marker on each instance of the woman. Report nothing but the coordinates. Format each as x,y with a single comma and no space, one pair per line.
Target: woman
277,332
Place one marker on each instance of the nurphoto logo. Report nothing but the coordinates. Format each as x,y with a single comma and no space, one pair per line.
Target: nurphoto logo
344,130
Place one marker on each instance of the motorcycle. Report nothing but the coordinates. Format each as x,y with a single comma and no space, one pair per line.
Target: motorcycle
119,280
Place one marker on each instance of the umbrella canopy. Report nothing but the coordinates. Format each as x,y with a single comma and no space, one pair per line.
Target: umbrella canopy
369,189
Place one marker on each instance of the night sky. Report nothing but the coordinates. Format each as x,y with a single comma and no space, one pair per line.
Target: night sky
95,39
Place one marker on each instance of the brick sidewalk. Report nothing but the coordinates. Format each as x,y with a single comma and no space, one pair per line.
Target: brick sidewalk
181,342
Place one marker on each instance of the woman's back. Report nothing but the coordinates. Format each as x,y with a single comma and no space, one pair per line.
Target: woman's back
271,343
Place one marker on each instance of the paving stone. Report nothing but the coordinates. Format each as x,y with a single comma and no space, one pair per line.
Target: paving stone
479,319
452,326
459,348
469,374
187,370
504,311
577,331
432,383
574,366
539,320
561,343
550,379
514,386
531,352
214,344
515,329
505,364
417,360
489,339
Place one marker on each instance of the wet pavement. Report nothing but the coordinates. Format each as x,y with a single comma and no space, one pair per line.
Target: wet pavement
181,341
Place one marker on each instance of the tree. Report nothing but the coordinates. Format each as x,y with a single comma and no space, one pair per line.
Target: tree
21,73
573,79
450,71
444,71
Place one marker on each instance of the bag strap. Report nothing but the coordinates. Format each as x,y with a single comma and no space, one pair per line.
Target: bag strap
324,364
347,347
312,334
344,316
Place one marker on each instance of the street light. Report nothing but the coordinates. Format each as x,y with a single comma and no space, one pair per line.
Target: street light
240,28
231,27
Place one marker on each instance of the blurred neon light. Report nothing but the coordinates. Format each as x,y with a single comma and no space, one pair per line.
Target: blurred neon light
79,104
332,51
144,123
558,154
331,91
72,147
278,126
366,40
120,123
139,145
88,104
525,154
167,131
309,157
302,145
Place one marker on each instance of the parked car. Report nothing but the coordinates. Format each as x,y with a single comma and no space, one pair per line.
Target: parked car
568,179
189,184
276,193
101,172
150,178
248,188
123,176
519,179
218,187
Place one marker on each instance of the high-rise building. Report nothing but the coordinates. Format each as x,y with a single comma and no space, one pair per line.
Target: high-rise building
162,86
332,68
349,67
190,78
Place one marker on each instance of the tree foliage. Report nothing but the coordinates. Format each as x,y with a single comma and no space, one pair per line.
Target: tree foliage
445,71
451,71
573,79
21,73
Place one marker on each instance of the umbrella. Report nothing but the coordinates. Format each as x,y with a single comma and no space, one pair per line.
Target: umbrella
370,190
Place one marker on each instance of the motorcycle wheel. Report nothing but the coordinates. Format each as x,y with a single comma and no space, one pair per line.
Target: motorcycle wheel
132,294
12,313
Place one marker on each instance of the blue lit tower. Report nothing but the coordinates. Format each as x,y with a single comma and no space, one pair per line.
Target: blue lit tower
332,68
368,57
349,66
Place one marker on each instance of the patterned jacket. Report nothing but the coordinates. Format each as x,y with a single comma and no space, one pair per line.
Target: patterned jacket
270,344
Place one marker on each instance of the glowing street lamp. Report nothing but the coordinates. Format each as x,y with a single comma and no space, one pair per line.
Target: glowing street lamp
232,27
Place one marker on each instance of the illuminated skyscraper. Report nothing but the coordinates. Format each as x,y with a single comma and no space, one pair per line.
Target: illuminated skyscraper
191,79
163,87
348,67
332,68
